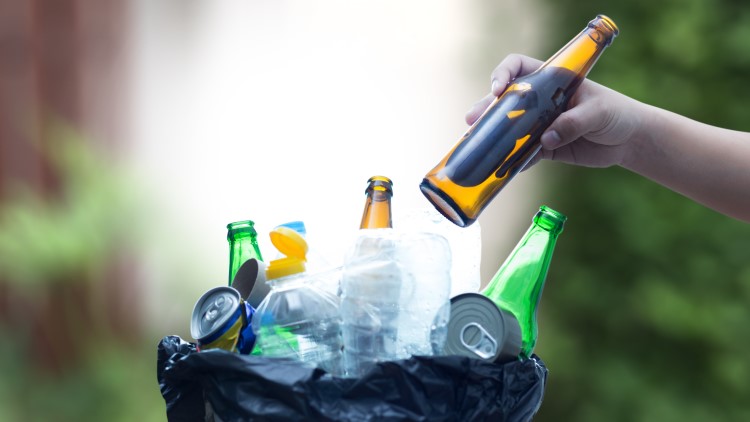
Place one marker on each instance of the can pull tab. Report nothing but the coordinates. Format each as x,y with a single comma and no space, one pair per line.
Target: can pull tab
475,338
214,310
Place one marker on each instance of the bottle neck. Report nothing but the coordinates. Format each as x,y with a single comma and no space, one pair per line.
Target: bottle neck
377,213
241,238
582,52
239,229
242,246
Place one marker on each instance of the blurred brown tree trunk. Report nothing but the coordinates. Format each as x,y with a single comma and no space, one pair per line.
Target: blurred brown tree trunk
61,59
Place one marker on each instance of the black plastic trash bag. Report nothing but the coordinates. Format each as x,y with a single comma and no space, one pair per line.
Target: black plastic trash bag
223,386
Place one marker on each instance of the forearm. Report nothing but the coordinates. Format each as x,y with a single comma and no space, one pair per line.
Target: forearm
708,164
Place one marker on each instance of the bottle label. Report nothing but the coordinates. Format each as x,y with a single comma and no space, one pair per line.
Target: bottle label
506,137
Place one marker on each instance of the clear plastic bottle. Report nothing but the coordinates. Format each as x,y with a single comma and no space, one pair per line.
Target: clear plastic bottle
395,297
297,320
465,243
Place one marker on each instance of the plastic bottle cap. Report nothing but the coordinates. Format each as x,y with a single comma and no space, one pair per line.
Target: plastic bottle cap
284,267
289,242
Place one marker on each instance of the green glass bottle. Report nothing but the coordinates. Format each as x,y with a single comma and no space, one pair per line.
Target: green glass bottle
517,285
243,245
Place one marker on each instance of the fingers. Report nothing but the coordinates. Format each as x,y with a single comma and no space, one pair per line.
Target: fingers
571,125
477,109
512,66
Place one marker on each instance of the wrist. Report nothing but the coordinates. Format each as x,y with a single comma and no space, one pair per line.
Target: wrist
643,134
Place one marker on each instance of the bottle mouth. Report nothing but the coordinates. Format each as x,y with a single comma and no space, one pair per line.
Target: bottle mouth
380,183
549,212
550,219
608,23
237,227
380,179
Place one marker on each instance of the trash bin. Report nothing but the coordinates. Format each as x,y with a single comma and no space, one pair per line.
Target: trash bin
216,385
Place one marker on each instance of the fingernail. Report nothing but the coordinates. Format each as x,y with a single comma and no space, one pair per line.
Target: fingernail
495,86
550,139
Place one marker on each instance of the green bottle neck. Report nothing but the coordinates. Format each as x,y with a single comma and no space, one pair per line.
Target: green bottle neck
549,220
243,245
241,229
523,273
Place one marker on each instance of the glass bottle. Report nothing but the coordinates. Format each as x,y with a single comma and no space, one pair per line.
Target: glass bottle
506,137
377,212
517,285
243,245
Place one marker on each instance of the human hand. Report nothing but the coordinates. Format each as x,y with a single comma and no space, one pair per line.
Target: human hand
593,132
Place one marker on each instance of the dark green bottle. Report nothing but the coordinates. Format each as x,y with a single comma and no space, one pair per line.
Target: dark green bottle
243,245
517,285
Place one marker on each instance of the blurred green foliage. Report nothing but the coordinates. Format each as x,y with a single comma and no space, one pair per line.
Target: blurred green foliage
41,236
116,382
56,253
646,311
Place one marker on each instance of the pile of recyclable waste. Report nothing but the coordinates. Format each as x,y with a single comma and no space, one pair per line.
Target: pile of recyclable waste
398,331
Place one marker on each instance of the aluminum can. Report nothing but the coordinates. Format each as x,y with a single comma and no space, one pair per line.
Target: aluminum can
479,329
221,320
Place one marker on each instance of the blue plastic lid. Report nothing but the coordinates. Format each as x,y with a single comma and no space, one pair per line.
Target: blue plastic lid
298,226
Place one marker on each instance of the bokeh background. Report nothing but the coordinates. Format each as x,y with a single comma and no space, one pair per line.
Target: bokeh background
132,132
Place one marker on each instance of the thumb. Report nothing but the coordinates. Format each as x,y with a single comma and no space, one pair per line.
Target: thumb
569,126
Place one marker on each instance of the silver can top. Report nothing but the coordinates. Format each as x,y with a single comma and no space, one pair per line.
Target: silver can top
479,329
212,311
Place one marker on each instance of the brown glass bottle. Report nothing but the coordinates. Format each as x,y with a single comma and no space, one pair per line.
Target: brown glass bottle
505,138
377,212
